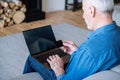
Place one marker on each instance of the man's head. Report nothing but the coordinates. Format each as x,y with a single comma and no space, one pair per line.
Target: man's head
96,10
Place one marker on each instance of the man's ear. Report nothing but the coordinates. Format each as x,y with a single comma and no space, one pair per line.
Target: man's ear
92,9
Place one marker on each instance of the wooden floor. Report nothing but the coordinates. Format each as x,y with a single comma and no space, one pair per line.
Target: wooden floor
52,18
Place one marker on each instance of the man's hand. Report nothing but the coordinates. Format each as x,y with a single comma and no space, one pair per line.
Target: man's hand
69,47
57,64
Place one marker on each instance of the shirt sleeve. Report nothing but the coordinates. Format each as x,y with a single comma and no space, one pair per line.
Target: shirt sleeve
81,65
60,76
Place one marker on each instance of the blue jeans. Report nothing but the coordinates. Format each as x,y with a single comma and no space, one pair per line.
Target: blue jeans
33,65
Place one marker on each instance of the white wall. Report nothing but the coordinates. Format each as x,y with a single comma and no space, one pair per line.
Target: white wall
54,5
71,1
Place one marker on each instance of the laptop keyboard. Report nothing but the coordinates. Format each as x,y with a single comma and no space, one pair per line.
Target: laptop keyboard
42,57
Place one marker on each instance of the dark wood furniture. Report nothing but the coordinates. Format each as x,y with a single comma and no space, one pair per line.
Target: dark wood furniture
34,10
75,5
116,1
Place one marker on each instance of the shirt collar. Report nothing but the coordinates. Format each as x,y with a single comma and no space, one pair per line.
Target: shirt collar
102,29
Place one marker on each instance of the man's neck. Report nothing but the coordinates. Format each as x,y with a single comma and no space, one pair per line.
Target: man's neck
102,20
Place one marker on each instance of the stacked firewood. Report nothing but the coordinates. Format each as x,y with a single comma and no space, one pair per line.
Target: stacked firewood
11,13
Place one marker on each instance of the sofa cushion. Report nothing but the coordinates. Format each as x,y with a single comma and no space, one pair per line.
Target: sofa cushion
69,32
29,76
104,75
13,54
116,14
116,69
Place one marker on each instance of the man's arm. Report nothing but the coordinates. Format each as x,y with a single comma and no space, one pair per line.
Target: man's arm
82,64
56,63
78,69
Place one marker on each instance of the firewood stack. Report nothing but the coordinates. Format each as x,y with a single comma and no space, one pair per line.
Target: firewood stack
11,13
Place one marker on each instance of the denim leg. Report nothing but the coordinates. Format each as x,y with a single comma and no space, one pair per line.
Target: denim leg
33,65
27,67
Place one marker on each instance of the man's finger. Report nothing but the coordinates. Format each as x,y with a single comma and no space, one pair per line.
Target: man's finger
51,58
68,45
68,41
49,61
63,48
54,58
58,57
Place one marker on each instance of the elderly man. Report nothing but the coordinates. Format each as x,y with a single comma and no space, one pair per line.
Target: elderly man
101,51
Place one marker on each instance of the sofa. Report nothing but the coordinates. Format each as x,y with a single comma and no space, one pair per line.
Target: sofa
14,52
116,14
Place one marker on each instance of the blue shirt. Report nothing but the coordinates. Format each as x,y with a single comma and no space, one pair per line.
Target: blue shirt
101,51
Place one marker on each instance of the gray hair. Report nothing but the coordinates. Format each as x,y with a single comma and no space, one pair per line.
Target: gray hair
102,5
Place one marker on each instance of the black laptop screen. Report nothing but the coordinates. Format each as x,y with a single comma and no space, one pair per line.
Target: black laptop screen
40,39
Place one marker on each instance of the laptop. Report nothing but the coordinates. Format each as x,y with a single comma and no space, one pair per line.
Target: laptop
42,43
